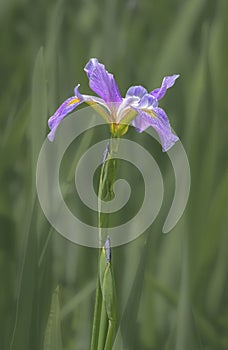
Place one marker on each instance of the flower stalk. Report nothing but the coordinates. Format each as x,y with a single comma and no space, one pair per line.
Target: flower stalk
104,322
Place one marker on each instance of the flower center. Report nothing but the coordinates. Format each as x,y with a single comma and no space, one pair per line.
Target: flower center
118,130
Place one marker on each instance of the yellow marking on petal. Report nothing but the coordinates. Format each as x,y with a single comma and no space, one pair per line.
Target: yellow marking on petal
150,112
90,102
75,100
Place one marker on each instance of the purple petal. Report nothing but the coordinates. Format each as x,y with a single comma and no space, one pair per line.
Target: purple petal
159,123
167,83
138,91
141,122
147,101
70,104
66,107
77,93
102,82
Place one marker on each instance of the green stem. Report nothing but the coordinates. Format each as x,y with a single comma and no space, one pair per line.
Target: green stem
103,327
96,319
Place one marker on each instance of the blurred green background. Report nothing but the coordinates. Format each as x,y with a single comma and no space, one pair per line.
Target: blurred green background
172,289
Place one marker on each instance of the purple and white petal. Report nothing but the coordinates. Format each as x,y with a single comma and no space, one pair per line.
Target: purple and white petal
138,91
70,104
159,123
51,134
77,93
102,82
126,106
142,121
147,102
167,83
66,107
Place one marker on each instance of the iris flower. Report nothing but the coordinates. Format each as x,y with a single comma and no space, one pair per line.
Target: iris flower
138,108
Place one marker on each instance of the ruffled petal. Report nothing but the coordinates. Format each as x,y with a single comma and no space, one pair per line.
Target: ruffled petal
102,82
167,83
137,91
147,102
159,123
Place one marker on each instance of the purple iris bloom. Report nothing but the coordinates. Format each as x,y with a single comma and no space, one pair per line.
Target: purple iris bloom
138,107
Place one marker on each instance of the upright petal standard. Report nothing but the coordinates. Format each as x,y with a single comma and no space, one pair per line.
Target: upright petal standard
138,108
102,82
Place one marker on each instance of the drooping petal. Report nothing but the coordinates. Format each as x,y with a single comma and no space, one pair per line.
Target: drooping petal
159,123
167,83
138,91
102,82
142,121
66,107
71,103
